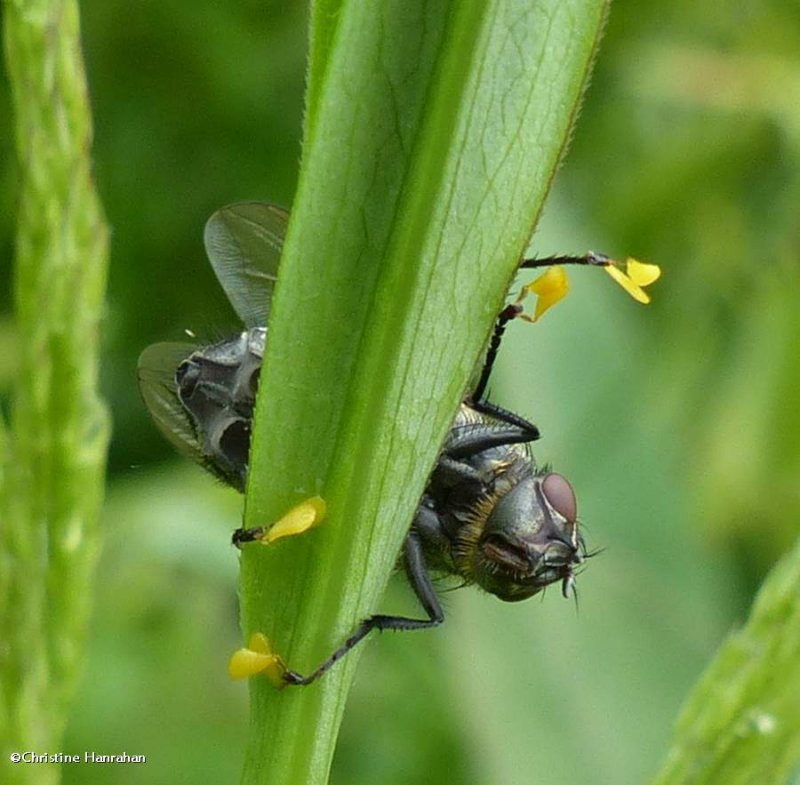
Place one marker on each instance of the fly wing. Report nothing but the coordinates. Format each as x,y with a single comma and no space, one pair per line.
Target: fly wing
156,374
158,386
244,243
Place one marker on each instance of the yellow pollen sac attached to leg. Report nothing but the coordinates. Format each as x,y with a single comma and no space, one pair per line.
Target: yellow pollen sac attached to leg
257,658
550,287
299,519
635,276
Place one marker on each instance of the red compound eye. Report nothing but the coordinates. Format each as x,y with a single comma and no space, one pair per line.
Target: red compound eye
560,496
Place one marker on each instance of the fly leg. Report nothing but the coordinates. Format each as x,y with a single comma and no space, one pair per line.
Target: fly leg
477,400
420,580
242,536
591,259
467,440
508,314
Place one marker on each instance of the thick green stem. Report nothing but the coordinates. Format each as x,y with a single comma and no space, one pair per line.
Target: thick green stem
54,456
432,135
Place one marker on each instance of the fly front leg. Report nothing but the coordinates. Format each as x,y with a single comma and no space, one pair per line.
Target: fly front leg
417,572
508,314
471,439
591,259
428,527
527,431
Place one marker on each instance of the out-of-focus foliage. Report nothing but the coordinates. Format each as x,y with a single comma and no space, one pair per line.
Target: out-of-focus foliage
700,166
53,446
677,423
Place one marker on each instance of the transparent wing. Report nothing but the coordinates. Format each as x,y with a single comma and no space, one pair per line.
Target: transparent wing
244,243
156,374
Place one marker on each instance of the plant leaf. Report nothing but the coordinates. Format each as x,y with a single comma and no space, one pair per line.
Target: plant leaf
429,149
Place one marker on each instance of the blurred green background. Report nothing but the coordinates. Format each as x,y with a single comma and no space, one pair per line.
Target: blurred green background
679,423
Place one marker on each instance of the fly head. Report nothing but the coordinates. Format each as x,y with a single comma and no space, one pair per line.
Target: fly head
530,539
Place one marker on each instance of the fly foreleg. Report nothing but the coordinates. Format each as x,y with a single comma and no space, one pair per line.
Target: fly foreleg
418,576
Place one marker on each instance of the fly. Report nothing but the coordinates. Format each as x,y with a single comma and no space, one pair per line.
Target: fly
202,398
488,516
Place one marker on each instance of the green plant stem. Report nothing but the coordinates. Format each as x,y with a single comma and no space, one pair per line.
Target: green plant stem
433,131
741,724
58,433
